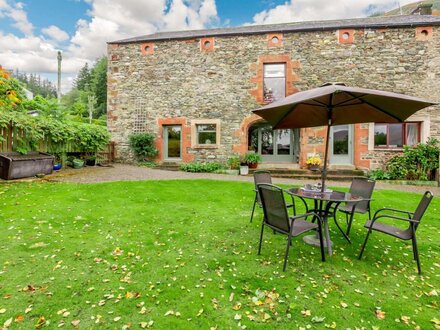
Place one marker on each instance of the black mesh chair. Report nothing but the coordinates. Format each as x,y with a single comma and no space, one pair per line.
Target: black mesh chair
413,220
362,187
277,218
265,177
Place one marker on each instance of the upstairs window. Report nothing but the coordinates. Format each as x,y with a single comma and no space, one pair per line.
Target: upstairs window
274,83
396,135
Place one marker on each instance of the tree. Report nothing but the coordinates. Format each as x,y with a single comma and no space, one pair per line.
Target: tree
84,78
99,85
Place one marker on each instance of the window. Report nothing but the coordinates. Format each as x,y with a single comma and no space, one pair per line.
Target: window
274,82
396,135
206,134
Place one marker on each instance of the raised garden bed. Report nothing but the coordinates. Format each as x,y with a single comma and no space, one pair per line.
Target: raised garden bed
14,165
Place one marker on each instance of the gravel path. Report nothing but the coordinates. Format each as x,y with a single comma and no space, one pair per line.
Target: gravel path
124,172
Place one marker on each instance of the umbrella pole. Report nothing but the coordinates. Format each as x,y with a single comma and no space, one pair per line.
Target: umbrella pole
324,170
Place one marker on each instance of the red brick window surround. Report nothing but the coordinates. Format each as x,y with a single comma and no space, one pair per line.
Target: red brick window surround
274,40
207,45
147,48
424,33
258,79
346,36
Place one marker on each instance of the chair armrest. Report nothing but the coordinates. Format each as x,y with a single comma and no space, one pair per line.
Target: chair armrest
305,215
410,214
388,216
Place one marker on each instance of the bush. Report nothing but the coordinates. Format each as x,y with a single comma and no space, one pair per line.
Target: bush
379,175
143,146
252,158
197,167
418,162
234,162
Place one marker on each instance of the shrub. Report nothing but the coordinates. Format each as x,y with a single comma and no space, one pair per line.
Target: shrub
252,158
418,162
143,146
234,162
379,175
197,167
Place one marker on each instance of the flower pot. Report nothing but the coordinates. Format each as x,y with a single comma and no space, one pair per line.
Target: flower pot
244,170
313,167
253,165
57,167
78,163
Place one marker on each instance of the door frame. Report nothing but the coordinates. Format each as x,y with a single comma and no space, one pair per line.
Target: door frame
342,160
165,143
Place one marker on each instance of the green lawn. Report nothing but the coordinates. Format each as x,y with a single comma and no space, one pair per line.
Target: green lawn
183,255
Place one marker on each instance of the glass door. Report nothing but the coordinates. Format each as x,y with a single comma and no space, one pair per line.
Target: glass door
280,145
172,139
341,144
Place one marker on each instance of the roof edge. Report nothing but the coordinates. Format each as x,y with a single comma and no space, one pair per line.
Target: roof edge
307,26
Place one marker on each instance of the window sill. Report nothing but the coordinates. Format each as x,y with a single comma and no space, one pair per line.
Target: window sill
388,149
206,146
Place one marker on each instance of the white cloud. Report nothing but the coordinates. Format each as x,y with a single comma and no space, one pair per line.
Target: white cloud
306,10
17,13
55,33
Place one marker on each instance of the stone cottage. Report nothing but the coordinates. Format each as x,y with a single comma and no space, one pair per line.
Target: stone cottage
195,90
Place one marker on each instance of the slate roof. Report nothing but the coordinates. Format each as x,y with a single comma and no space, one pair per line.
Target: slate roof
357,23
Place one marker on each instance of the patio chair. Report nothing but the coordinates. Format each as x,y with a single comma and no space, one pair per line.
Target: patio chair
277,218
265,177
362,187
413,220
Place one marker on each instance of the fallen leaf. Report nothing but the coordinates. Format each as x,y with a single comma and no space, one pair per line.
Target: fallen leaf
2,310
380,314
75,323
306,313
41,321
7,323
200,312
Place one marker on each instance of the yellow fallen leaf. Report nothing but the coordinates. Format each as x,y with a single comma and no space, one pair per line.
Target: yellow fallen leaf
75,323
2,310
380,314
306,313
343,304
200,312
117,318
7,323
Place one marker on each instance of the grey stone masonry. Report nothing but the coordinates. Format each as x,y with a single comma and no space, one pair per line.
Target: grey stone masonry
154,82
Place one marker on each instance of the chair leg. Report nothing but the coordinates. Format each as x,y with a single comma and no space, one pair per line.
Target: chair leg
253,208
321,241
289,242
416,253
293,207
349,222
261,238
365,243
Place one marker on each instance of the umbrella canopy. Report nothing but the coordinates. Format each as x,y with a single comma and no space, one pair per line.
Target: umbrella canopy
341,105
337,104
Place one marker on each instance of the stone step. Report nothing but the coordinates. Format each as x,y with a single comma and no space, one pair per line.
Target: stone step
169,166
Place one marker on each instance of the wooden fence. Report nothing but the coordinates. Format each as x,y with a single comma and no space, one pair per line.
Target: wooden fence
12,137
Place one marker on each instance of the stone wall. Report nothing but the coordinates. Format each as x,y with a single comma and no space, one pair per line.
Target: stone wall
181,80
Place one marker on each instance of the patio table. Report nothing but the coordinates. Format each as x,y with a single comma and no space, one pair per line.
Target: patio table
324,202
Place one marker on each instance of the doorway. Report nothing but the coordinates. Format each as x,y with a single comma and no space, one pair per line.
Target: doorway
275,146
172,140
341,144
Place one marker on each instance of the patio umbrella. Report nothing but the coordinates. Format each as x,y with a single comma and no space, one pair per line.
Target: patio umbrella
337,104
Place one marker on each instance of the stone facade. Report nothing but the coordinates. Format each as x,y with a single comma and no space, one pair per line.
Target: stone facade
178,80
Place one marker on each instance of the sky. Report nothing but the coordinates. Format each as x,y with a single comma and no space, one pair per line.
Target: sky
32,31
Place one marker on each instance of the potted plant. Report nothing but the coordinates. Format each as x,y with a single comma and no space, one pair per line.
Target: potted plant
252,159
313,162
